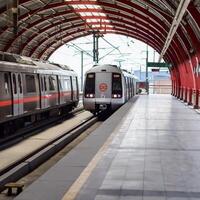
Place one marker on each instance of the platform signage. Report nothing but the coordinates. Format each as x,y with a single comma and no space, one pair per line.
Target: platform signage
158,64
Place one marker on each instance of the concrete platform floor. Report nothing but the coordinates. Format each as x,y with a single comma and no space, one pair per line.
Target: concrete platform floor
155,155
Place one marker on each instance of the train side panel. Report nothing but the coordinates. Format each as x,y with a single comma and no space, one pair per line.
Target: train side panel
5,96
35,88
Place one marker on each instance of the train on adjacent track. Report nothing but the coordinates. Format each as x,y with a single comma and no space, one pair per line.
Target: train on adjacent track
107,87
31,90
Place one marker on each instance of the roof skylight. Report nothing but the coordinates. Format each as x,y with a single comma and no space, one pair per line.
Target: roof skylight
94,11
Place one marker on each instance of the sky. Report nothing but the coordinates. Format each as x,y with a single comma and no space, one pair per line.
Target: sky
113,49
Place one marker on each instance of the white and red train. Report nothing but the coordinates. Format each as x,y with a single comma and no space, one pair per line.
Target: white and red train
107,87
31,89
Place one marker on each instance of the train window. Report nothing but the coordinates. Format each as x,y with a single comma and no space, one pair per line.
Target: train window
77,83
30,84
52,83
45,84
60,85
20,83
117,85
90,84
74,84
6,83
90,76
116,75
42,84
67,84
14,84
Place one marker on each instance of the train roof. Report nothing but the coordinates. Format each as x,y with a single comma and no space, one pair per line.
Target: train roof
13,62
127,73
105,68
110,68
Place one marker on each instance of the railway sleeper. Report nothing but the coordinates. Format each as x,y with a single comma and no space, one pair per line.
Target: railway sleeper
14,186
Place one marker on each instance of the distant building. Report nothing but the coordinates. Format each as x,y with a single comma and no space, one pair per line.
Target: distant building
159,82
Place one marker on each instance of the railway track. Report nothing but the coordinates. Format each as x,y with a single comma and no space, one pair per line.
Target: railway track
35,128
31,161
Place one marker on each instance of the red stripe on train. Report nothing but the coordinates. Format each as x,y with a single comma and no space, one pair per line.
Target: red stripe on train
32,99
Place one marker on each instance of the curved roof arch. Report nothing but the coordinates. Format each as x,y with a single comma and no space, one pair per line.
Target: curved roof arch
43,25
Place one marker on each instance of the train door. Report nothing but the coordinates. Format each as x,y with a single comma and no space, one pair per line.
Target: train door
53,90
75,88
43,92
103,85
17,92
61,93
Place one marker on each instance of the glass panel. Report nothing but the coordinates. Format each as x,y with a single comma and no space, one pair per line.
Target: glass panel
14,84
30,84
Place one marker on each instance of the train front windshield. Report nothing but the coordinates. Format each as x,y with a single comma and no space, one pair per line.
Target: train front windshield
116,86
90,86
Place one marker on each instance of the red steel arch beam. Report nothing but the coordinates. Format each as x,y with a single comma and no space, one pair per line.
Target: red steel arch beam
109,5
112,5
3,9
185,40
188,61
84,10
88,17
139,8
86,2
187,80
157,38
113,22
194,13
123,20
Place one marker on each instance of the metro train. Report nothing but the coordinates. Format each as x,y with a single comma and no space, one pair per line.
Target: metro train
107,87
31,90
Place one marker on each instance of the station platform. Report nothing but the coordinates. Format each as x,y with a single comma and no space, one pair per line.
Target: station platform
148,150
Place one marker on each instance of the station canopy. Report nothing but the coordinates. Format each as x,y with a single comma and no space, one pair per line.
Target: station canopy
37,28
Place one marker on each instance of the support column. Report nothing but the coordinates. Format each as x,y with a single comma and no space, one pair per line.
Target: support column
185,94
196,104
190,97
96,48
181,93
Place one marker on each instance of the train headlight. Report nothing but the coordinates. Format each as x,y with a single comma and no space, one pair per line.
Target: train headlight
89,95
115,96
